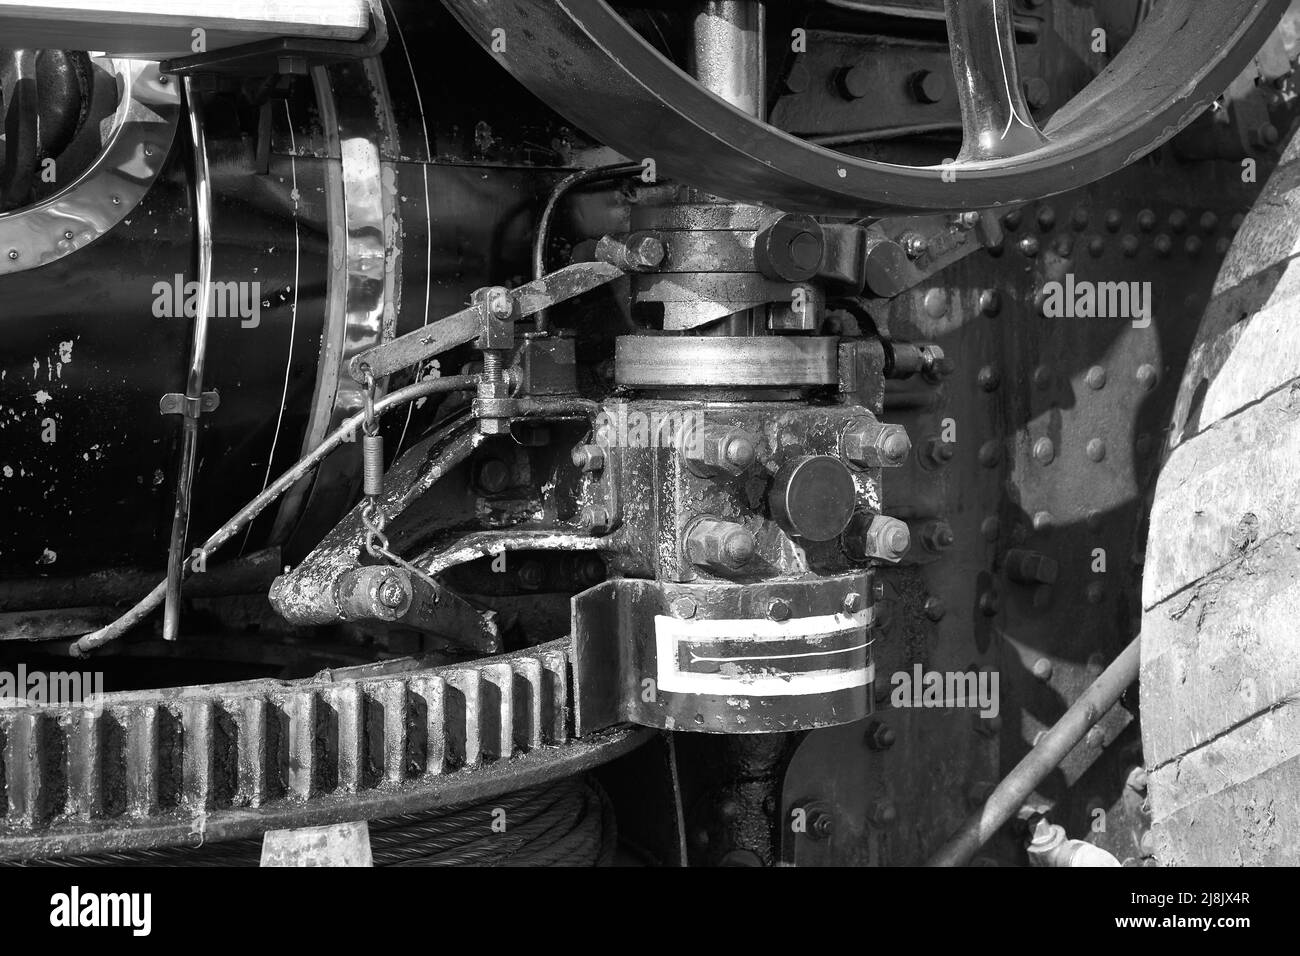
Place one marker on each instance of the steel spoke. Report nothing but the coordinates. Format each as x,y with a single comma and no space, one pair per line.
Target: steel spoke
996,119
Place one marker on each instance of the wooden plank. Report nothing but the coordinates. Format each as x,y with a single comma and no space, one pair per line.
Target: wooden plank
157,29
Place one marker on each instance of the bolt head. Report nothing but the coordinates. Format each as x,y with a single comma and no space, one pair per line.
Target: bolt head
683,607
872,444
853,603
778,610
391,593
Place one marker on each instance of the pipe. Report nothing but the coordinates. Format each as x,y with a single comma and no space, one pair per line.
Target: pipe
193,404
561,189
1046,755
297,472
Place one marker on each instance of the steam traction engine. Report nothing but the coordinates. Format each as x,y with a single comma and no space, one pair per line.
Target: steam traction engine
449,400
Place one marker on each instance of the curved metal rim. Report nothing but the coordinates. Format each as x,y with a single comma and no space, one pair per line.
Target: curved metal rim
608,80
144,126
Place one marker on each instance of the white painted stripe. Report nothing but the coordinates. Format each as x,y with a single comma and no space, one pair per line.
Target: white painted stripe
671,632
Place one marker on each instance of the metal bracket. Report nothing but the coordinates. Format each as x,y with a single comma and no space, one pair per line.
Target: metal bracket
177,403
285,54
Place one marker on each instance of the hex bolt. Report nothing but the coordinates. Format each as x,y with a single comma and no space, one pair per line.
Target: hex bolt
778,610
589,457
1025,566
880,736
723,547
853,603
595,519
872,444
683,607
392,593
877,536
820,825
937,536
716,450
938,452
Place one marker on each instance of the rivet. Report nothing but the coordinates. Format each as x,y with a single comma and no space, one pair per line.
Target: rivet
67,234
13,253
117,200
1029,246
1044,451
990,302
1096,247
1043,521
1012,220
989,378
1043,377
1065,247
990,454
1046,218
1237,221
1079,218
1147,376
1163,245
1178,221
1130,245
934,608
1095,592
1096,449
990,528
1146,220
1222,246
1209,222
1193,246
1096,378
988,603
935,303
1114,219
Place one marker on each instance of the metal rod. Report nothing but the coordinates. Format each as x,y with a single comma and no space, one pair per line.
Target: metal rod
1010,795
193,404
296,473
728,52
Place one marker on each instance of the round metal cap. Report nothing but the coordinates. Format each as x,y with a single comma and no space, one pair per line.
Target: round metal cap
813,497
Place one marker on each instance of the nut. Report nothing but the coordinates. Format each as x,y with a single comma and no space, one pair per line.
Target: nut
877,536
722,547
872,444
716,450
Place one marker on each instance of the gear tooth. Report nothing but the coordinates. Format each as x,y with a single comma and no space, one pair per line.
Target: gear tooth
463,715
27,756
302,708
198,721
527,691
497,711
392,696
142,760
348,726
252,737
85,743
555,695
429,694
